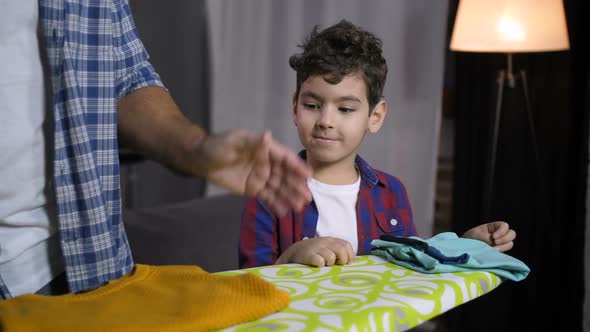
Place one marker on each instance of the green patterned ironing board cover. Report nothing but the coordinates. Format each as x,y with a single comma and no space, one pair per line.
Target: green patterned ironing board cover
371,294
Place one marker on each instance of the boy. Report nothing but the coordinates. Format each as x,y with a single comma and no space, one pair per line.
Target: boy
340,77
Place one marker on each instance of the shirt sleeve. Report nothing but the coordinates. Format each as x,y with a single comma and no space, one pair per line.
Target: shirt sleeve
133,71
258,238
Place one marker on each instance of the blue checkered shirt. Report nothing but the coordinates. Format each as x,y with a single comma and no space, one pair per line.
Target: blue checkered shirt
95,57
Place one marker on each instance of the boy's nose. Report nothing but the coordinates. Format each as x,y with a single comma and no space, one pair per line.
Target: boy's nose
325,120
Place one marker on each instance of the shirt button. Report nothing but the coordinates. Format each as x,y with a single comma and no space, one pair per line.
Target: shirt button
393,222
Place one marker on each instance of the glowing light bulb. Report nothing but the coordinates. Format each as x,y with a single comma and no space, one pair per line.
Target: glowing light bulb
511,29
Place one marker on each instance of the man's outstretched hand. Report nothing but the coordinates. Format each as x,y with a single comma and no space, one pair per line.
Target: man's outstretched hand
256,165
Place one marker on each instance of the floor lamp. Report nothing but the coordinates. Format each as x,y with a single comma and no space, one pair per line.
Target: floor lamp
508,26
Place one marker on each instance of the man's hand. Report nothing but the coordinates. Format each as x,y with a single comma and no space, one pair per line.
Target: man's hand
497,234
319,251
256,165
238,160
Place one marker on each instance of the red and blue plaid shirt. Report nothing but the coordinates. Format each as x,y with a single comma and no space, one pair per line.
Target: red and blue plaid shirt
382,207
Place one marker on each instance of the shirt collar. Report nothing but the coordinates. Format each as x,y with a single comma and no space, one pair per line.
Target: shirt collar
368,174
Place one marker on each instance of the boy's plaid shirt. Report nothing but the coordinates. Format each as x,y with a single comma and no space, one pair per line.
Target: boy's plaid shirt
382,208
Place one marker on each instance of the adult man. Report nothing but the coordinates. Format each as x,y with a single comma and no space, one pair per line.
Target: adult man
61,210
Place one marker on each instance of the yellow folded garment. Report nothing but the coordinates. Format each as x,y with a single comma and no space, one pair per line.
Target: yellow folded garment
151,298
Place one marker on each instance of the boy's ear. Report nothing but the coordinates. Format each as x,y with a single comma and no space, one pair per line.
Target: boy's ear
377,116
295,109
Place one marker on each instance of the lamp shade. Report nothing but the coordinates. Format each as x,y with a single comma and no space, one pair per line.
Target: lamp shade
510,26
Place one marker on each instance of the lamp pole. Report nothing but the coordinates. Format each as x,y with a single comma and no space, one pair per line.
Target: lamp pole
506,77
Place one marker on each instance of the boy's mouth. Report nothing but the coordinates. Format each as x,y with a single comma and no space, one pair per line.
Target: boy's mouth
324,138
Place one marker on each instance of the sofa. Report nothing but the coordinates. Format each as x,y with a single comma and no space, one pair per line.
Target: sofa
203,232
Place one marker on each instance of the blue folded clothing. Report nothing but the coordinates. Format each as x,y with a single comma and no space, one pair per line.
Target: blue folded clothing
446,252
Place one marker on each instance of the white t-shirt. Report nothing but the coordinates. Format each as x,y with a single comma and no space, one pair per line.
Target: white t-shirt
337,210
28,242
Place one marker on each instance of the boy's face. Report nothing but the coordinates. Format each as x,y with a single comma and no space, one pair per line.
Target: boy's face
332,119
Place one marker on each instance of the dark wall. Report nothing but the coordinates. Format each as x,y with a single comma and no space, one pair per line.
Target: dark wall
541,194
175,35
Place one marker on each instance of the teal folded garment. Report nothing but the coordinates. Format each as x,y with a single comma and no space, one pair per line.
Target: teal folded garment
481,256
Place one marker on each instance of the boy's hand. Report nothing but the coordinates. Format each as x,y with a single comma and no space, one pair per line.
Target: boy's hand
319,251
497,234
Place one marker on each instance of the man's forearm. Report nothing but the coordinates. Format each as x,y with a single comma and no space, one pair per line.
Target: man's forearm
150,122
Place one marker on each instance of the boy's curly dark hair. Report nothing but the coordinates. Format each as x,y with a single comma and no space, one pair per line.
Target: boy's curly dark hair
340,50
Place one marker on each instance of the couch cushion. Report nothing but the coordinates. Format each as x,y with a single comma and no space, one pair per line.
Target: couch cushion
203,232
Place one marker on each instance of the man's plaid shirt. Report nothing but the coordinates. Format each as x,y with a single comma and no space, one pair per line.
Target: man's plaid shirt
94,57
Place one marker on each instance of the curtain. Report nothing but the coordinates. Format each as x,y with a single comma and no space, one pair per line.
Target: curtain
543,198
252,83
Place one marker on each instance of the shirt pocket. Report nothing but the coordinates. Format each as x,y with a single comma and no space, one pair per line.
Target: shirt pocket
390,222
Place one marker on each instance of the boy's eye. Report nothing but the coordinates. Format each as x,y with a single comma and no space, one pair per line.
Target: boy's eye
311,106
346,110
